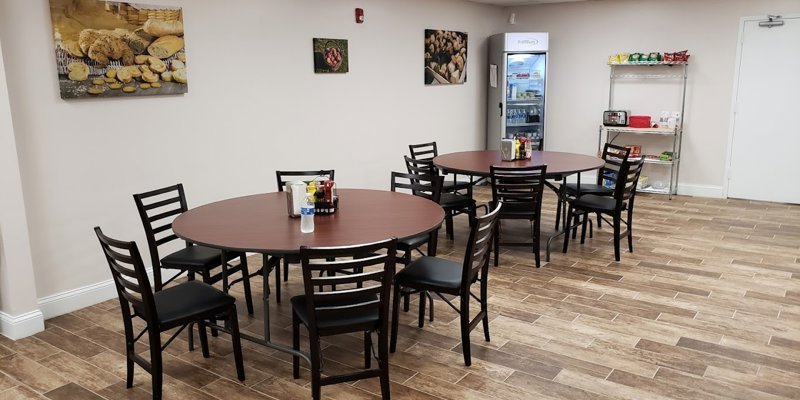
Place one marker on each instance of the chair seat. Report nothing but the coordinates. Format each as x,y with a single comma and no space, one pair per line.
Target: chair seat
589,188
412,242
189,299
196,257
327,321
450,186
452,200
513,210
431,272
592,202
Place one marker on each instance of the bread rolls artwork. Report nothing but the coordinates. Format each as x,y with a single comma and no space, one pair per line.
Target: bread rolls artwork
445,57
104,46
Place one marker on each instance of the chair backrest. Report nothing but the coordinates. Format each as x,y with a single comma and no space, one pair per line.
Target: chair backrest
423,151
157,209
130,279
330,294
427,186
519,186
305,176
626,183
479,247
614,156
420,166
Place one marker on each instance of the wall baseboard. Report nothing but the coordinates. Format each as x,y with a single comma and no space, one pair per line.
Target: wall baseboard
716,192
19,326
75,299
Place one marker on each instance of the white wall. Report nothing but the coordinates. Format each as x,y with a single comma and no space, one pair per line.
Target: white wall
583,34
19,311
254,105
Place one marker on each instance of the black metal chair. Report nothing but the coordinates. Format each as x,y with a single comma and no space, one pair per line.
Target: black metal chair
344,303
614,156
427,151
443,276
157,208
425,186
622,201
452,203
173,307
283,177
429,187
520,189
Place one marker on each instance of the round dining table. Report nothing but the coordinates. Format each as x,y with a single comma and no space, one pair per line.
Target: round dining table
477,163
559,166
261,224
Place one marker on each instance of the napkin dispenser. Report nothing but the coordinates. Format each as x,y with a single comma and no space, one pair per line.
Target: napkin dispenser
507,150
295,197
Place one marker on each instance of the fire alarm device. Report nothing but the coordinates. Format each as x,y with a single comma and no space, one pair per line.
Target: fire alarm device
359,15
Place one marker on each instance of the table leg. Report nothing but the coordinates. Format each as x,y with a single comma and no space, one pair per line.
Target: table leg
269,264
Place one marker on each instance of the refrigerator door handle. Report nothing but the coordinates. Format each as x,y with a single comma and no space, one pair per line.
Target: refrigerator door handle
500,105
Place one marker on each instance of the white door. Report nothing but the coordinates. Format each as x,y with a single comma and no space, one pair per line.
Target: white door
765,148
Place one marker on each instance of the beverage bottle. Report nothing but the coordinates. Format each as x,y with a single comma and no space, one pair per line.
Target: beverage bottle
307,215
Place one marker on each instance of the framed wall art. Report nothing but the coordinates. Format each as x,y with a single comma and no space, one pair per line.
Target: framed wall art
115,49
330,56
445,57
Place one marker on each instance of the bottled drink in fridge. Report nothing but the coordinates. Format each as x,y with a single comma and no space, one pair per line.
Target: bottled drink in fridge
307,215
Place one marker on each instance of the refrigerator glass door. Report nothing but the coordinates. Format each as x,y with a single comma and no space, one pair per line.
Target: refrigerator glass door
525,77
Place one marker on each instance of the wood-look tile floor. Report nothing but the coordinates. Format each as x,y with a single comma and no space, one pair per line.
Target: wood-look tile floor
707,307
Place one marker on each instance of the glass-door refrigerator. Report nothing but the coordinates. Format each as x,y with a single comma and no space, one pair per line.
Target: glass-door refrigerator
517,88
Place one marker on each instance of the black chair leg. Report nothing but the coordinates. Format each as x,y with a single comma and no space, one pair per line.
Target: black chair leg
536,244
383,363
129,365
485,309
367,349
421,309
630,232
566,231
248,296
430,305
559,205
465,329
497,244
233,323
278,283
616,237
448,224
583,227
201,330
156,365
395,315
316,368
285,270
406,302
295,345
190,331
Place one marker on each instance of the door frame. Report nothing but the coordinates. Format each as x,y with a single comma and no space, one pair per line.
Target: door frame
735,96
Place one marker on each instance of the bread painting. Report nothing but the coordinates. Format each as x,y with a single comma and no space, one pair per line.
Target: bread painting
165,46
163,28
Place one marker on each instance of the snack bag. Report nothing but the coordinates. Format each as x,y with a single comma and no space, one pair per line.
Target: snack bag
624,57
613,59
654,57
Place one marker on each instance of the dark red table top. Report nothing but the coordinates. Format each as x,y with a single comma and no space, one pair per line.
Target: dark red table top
477,162
260,223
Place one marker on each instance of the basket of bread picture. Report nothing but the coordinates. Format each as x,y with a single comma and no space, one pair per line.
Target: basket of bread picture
144,56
